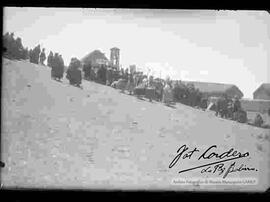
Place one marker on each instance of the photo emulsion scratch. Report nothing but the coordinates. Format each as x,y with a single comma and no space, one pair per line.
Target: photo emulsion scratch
143,99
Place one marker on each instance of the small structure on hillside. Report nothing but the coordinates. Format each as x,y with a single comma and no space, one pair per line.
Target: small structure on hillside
263,92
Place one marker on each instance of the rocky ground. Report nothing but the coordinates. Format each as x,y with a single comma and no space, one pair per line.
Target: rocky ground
58,136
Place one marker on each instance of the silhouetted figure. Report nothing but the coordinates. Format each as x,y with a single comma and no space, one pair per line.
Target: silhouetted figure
87,71
92,74
54,66
101,74
31,58
222,106
61,63
167,96
18,49
74,74
50,59
203,103
42,56
35,54
57,70
258,120
109,76
131,83
236,104
125,76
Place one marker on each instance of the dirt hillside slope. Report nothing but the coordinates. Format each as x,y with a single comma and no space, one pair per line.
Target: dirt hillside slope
57,135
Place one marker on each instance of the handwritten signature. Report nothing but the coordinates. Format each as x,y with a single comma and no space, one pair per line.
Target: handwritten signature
217,166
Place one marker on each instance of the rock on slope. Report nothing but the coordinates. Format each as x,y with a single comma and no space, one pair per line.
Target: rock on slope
59,136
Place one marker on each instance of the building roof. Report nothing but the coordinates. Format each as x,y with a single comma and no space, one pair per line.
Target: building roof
264,86
207,87
115,48
93,57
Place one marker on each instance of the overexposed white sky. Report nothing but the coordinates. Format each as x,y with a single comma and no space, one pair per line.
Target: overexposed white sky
202,45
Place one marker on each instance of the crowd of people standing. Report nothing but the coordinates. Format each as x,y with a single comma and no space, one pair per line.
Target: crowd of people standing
13,47
143,85
136,83
56,62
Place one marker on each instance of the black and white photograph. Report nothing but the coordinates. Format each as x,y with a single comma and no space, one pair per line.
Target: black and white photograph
135,99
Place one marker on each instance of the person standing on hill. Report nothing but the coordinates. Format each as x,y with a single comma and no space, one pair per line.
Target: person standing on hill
236,104
102,71
87,71
92,74
131,83
54,66
57,70
61,67
74,74
167,96
150,89
109,76
36,53
126,74
18,51
258,121
50,58
61,63
31,56
42,56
